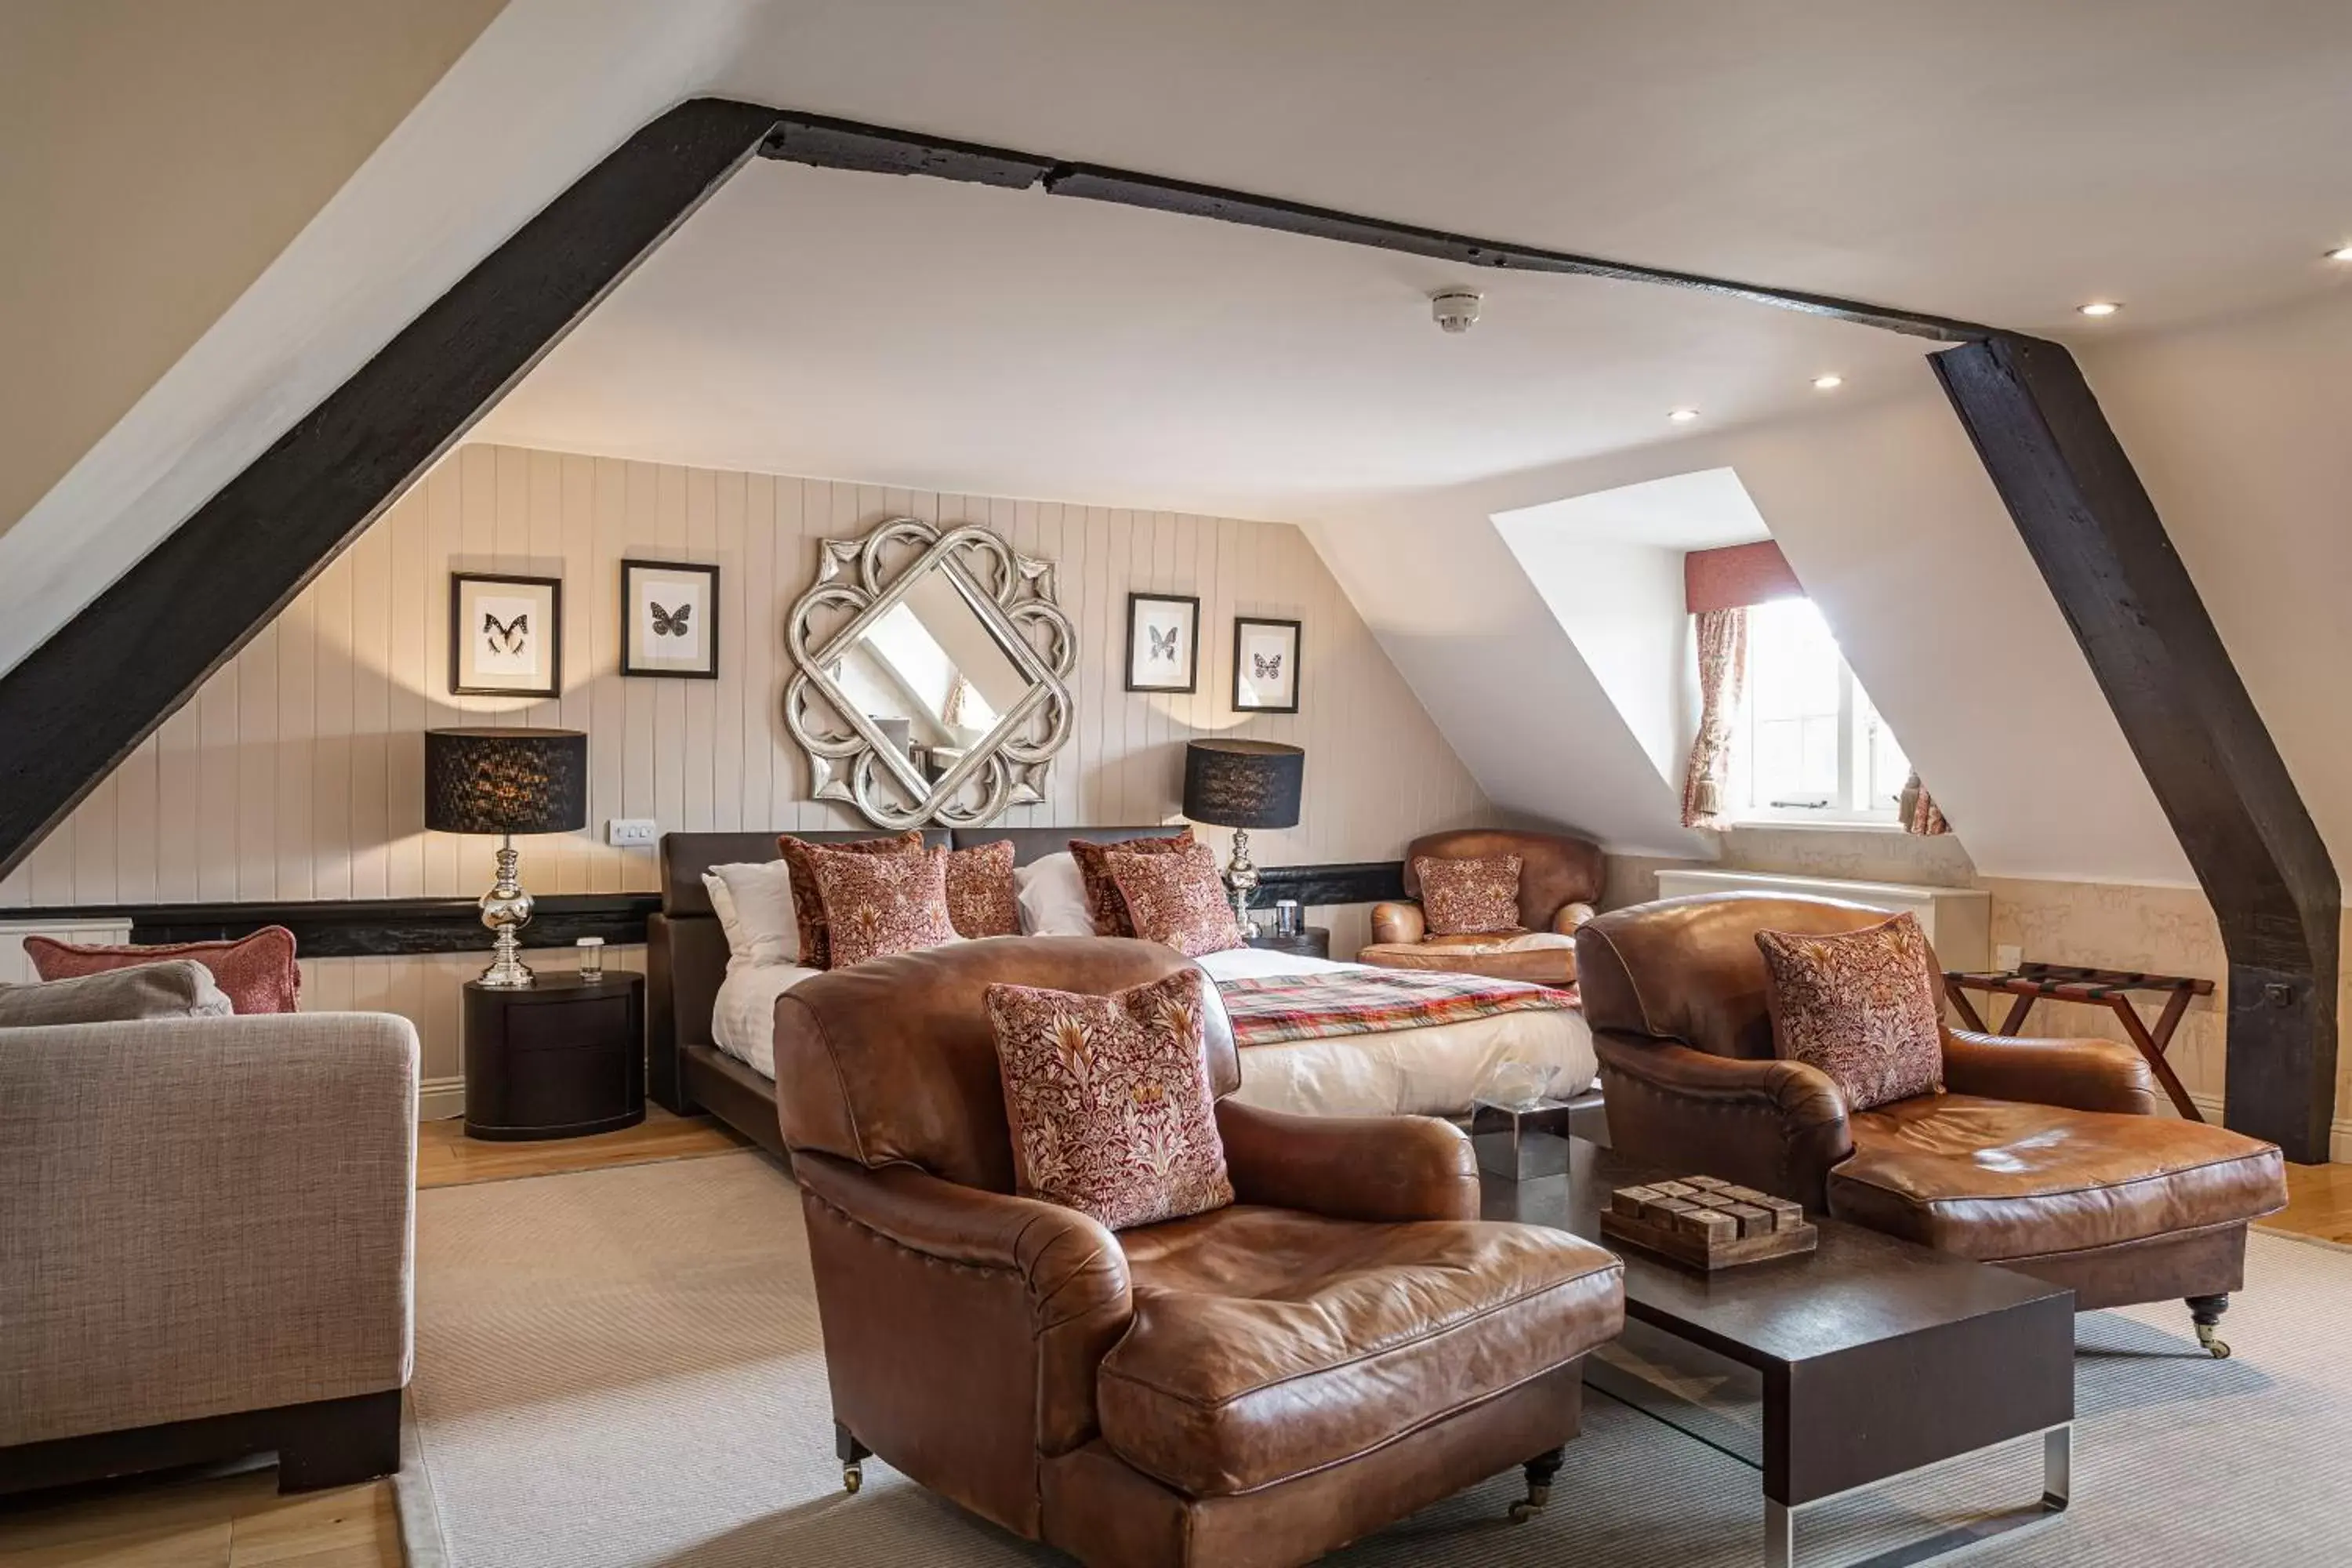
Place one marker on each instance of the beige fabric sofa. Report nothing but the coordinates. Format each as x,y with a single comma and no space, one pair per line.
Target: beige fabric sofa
206,1241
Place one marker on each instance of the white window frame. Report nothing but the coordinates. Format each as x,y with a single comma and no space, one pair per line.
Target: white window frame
1847,806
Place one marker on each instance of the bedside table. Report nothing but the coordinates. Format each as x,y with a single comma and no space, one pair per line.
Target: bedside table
561,1059
1315,941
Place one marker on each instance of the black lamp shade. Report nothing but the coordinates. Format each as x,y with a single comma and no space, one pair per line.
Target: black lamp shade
1243,783
506,781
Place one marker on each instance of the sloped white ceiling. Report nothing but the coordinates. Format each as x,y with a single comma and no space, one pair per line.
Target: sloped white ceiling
2001,161
1891,524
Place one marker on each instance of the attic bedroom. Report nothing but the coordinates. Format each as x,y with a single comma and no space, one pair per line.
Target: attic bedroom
786,781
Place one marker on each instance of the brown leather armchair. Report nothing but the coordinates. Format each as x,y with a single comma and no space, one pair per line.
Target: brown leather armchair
2046,1156
1559,878
1255,1386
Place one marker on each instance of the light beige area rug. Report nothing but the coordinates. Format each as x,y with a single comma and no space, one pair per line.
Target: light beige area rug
623,1367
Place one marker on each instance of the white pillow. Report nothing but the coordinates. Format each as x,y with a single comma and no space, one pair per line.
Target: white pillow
754,903
1053,897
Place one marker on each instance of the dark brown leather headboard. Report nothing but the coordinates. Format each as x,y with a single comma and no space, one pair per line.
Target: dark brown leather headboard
685,952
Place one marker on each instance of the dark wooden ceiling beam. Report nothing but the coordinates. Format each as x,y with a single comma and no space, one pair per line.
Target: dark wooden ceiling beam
76,706
2095,535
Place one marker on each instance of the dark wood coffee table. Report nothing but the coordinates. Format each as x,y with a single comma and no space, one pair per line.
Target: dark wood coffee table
1862,1361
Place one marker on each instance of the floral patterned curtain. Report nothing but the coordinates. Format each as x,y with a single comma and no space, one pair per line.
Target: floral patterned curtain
1722,679
1918,809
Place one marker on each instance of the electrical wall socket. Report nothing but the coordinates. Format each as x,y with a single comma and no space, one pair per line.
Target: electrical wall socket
631,830
2006,956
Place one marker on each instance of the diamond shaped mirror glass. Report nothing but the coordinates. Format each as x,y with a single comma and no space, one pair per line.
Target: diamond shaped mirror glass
932,670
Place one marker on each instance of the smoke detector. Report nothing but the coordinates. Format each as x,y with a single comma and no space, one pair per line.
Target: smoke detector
1455,309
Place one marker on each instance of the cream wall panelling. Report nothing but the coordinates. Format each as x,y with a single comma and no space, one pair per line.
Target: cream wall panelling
296,771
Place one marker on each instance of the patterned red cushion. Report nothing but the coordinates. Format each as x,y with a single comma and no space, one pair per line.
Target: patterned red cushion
1110,1102
1469,898
1103,902
817,949
981,898
257,973
878,905
1177,899
1862,1006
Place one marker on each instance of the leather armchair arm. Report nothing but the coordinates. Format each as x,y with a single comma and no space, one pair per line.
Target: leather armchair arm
1780,1126
1400,922
1041,1290
2077,1075
1572,916
1379,1168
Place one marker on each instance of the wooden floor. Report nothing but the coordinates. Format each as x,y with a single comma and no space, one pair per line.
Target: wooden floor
239,1521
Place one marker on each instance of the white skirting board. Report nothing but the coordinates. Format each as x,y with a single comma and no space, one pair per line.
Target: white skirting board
440,1099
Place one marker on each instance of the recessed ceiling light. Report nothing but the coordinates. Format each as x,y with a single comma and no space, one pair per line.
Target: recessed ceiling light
1682,415
2098,308
1828,383
2341,253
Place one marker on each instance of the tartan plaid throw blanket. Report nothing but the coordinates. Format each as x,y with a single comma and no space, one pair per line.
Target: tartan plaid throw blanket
1277,1008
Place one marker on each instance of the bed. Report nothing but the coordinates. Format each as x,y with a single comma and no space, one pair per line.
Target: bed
710,1045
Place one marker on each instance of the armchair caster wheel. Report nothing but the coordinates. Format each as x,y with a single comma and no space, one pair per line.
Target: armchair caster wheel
2207,1311
1539,1471
853,1455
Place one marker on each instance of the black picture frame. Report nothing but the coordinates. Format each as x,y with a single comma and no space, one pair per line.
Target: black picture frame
1297,633
555,641
631,663
1135,602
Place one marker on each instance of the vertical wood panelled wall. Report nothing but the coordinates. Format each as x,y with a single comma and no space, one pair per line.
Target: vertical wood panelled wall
297,771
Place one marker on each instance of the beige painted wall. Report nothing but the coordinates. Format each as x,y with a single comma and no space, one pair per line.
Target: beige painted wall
153,159
296,772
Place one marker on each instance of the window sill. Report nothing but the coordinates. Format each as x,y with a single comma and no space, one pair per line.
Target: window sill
1817,825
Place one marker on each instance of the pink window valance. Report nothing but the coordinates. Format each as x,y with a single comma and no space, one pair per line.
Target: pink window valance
1737,577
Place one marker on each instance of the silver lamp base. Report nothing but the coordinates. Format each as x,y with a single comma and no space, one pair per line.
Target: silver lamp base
506,909
1241,878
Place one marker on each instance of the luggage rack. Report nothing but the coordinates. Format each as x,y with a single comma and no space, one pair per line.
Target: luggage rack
2109,988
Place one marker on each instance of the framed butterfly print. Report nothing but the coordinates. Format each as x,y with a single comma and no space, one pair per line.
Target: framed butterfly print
669,619
506,636
1265,666
1163,642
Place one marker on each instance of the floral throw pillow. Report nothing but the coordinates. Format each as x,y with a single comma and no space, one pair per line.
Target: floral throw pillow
1469,898
880,905
1178,899
1861,1006
816,947
1103,902
257,973
981,898
1110,1101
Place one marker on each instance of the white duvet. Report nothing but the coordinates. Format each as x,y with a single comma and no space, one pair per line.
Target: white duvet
1425,1071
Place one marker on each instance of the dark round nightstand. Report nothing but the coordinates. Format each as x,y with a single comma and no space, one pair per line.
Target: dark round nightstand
1315,941
559,1058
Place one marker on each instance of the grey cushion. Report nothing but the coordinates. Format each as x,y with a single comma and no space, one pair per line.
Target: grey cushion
179,988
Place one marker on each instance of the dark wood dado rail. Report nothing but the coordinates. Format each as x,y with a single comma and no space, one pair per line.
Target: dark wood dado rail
378,928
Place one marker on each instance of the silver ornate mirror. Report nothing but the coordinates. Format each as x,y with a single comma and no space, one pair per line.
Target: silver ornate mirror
932,674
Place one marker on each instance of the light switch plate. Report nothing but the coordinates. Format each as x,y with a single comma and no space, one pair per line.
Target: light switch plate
2006,956
627,830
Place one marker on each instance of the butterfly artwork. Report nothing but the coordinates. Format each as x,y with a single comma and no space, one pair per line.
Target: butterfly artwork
670,611
1265,666
1163,642
505,634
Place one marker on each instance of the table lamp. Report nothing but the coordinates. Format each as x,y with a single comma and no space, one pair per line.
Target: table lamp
1242,784
506,782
